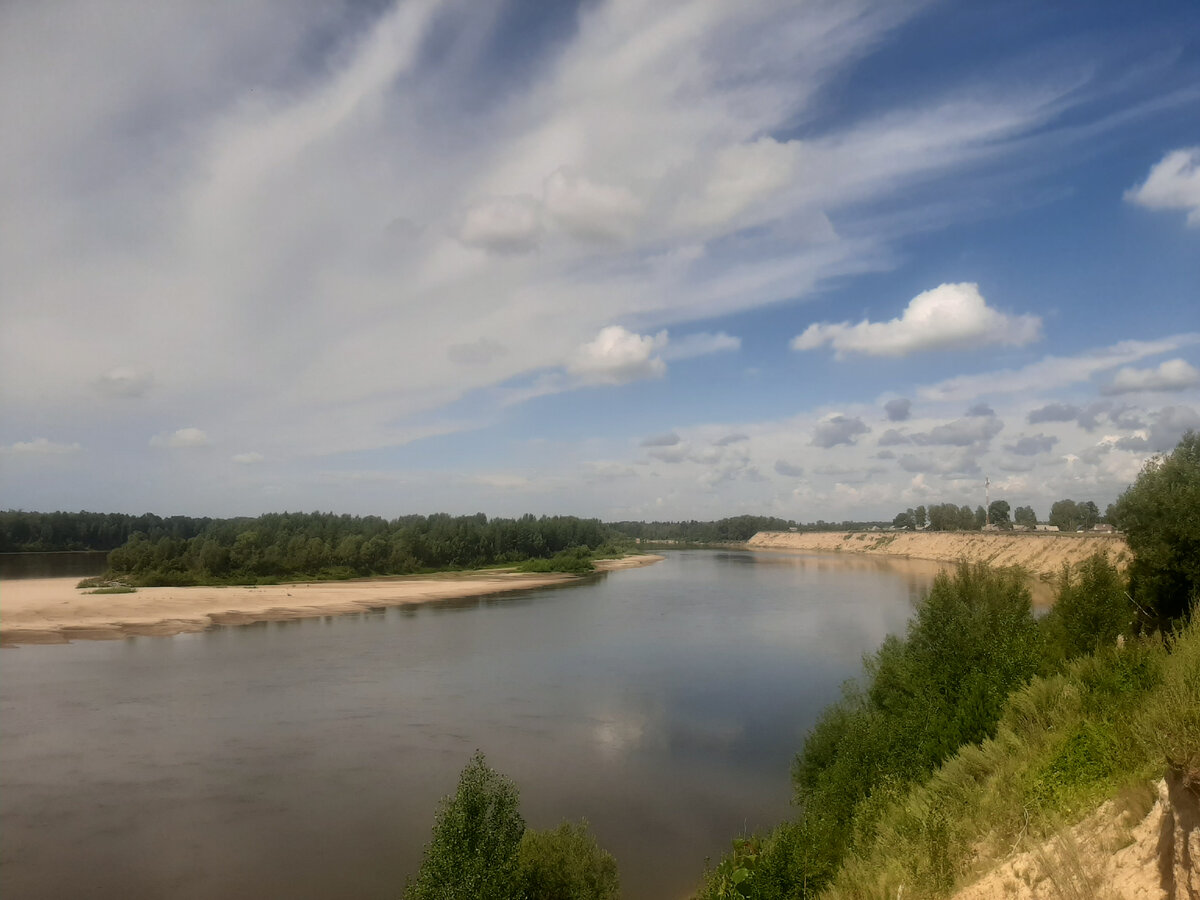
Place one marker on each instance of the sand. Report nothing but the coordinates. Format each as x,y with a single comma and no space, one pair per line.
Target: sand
55,611
1041,554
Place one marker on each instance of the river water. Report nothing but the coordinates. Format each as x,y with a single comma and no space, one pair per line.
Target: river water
306,758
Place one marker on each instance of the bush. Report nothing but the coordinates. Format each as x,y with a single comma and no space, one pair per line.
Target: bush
566,863
473,854
1091,610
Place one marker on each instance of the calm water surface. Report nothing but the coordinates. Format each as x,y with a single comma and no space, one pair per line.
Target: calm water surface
305,759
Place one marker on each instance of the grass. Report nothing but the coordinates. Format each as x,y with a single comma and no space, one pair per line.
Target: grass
115,589
1104,728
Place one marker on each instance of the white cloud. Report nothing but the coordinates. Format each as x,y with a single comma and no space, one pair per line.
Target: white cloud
247,459
700,344
1053,372
591,210
124,381
1173,183
950,316
40,447
740,176
898,409
1172,375
787,469
961,432
502,225
184,437
617,356
838,429
670,439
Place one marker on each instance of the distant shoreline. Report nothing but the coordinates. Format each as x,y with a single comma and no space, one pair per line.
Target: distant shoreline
54,611
1042,554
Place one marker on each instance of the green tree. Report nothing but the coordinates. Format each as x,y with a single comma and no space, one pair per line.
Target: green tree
1089,515
566,863
998,514
1160,515
1064,515
1024,515
473,854
1091,608
920,517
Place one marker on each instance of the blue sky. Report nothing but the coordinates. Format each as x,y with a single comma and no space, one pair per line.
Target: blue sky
631,260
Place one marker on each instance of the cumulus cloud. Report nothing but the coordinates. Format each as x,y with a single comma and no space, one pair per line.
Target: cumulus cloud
734,438
124,381
591,210
1172,375
1032,445
981,409
960,432
40,447
1053,412
958,464
950,316
1169,425
787,469
892,437
700,344
502,225
898,410
184,437
838,429
247,459
1173,183
670,439
618,356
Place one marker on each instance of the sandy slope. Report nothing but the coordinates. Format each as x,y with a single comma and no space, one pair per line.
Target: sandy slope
1041,554
54,611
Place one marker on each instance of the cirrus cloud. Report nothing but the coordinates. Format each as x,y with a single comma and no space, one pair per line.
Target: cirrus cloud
950,316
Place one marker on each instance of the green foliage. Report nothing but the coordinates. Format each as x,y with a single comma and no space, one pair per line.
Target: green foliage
317,546
1092,607
1024,515
566,863
1160,515
473,854
1169,722
114,589
722,531
575,561
972,642
998,513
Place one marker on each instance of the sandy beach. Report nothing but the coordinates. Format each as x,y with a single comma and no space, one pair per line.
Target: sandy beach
1042,555
55,611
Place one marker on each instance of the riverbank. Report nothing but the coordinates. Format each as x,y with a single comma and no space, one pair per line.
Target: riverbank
55,611
1041,554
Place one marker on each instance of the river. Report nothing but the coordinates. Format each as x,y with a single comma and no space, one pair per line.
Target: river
305,759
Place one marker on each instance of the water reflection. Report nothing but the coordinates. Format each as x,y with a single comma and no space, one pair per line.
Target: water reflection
306,758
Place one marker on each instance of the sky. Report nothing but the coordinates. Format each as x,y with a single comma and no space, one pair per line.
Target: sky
634,260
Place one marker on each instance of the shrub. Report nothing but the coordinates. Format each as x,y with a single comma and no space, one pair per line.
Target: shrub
473,854
566,863
1091,609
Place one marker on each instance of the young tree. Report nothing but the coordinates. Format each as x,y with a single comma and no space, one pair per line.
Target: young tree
919,517
566,863
1160,515
1024,515
476,840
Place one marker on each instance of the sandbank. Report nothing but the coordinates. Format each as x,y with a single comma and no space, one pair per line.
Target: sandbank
1041,554
55,611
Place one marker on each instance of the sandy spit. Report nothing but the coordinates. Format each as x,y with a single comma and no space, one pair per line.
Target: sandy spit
1041,554
54,611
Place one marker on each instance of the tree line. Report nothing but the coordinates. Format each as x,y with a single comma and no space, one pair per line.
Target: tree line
1065,515
301,546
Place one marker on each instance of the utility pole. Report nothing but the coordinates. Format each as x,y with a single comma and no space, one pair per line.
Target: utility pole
987,502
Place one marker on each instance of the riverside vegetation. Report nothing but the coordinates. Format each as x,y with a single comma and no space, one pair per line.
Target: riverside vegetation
981,728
